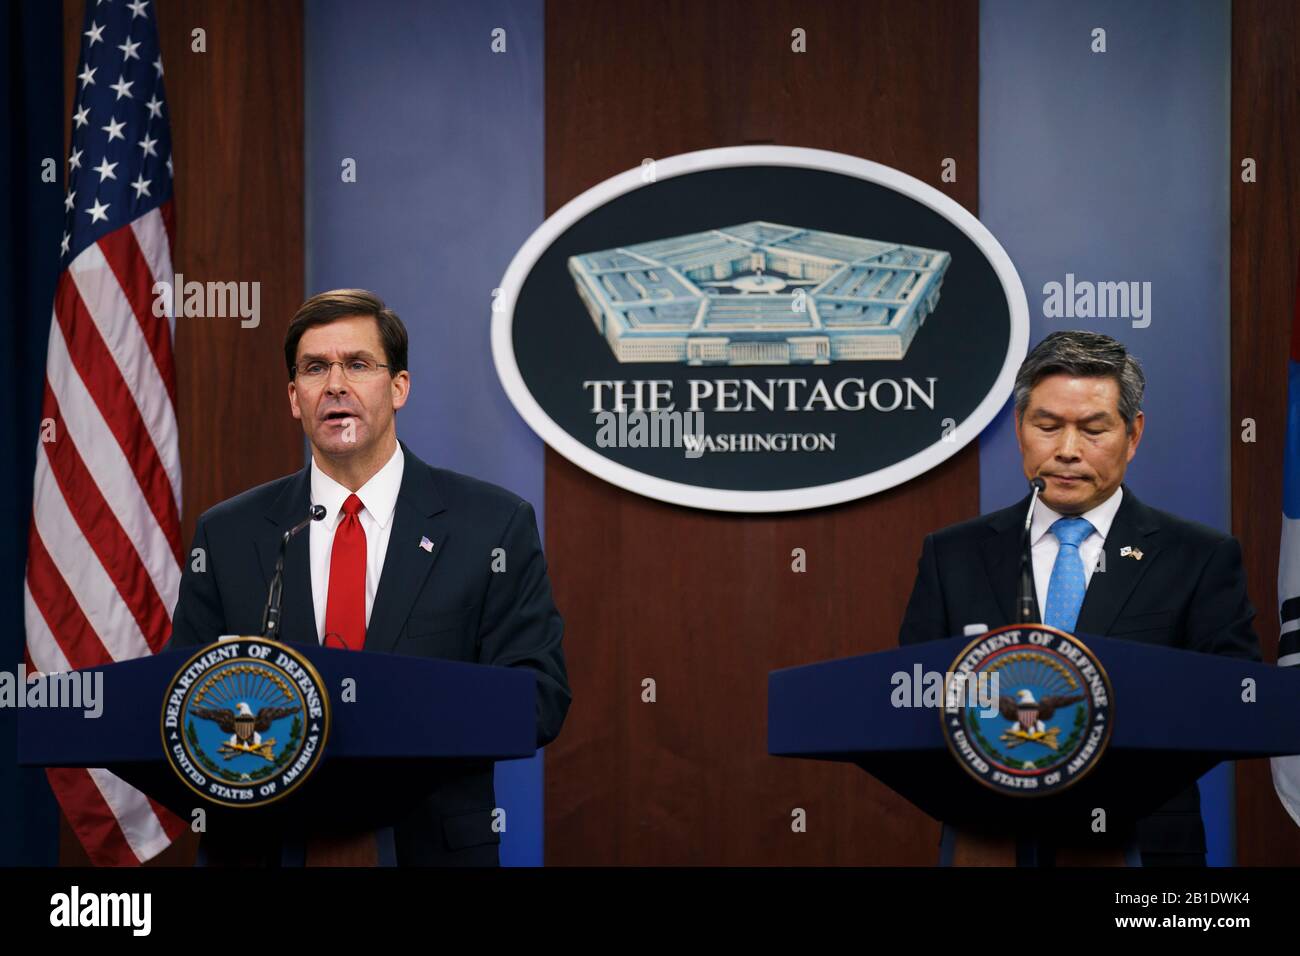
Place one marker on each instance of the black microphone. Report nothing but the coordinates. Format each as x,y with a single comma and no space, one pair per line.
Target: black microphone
271,615
1026,611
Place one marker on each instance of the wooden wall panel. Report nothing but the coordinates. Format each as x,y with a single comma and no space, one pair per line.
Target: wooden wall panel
237,134
707,603
1265,244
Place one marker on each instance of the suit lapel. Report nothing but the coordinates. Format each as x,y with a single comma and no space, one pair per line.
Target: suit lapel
297,613
1135,526
1002,557
419,515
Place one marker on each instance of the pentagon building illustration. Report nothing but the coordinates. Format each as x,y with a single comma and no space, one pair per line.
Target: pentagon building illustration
760,293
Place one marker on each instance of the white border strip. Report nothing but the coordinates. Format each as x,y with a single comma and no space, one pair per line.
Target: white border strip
718,499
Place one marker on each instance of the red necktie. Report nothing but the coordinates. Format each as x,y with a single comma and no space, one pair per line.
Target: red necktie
345,605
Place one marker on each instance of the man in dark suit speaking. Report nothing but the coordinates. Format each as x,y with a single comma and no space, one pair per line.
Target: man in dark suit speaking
408,559
1078,399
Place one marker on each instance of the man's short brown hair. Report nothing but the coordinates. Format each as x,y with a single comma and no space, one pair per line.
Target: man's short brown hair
327,307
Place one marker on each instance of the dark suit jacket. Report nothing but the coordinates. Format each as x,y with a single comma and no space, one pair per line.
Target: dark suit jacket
1188,591
447,603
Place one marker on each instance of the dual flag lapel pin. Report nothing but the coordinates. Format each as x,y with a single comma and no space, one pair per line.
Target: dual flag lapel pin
1130,552
426,544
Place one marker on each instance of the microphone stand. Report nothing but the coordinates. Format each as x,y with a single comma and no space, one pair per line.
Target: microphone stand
1026,609
271,614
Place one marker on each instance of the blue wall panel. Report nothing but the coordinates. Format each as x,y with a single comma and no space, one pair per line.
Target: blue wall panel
1114,167
447,138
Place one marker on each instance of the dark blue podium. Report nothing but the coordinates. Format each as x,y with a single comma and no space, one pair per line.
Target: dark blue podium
1176,714
413,719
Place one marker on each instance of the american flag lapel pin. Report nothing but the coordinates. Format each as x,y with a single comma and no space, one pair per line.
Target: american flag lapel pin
1130,552
426,544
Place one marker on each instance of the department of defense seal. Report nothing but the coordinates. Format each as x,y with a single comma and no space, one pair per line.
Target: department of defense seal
1051,718
245,721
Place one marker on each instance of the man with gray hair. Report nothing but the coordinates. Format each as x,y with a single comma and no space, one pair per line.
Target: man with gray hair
1078,413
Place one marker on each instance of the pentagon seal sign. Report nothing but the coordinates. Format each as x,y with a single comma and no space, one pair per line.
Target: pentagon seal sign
759,328
245,721
1053,714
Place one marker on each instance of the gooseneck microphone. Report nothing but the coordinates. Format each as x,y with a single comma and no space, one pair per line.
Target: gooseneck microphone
1025,609
271,615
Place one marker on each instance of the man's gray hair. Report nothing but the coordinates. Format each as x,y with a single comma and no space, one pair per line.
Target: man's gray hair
1083,354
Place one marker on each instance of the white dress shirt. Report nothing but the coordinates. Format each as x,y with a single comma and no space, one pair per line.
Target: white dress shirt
378,500
1044,546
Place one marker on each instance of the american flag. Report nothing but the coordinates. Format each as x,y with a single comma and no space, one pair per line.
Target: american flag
103,566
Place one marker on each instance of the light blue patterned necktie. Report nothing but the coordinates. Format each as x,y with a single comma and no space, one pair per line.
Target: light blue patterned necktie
1067,584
